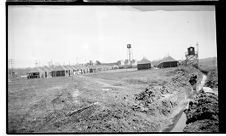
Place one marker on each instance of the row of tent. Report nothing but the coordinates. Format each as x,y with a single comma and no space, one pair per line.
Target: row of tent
68,70
163,63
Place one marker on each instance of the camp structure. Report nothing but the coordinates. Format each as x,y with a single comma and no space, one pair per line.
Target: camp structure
144,64
36,73
72,69
76,70
82,69
85,69
108,67
59,71
92,69
167,62
69,70
79,69
47,71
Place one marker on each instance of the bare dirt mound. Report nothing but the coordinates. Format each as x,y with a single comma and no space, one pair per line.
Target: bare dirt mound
202,115
212,79
97,117
165,101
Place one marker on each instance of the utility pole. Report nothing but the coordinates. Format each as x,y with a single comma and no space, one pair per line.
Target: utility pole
11,62
197,45
36,63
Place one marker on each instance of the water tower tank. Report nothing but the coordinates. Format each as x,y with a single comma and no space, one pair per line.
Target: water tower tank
128,45
191,51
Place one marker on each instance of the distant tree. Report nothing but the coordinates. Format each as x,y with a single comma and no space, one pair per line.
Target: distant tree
118,62
98,62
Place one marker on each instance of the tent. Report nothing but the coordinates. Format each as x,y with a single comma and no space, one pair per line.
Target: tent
35,73
168,62
144,64
58,71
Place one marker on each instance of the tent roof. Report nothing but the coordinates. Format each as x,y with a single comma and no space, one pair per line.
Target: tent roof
75,67
167,59
144,61
68,67
36,69
46,68
58,68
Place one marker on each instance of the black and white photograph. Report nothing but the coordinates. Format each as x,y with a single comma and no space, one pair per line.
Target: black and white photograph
112,69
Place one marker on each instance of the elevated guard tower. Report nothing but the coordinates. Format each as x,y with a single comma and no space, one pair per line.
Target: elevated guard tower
192,57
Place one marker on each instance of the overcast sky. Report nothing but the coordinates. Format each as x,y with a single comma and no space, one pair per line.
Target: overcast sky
74,34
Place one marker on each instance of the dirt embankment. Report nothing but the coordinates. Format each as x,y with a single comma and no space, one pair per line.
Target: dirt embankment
166,101
202,114
212,79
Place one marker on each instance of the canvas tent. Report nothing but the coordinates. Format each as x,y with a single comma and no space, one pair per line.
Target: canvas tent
35,73
71,69
92,69
68,70
58,71
47,71
143,64
75,69
168,62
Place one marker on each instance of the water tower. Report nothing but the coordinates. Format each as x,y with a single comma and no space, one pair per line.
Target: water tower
192,57
129,54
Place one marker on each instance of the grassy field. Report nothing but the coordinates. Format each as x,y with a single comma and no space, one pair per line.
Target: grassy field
209,66
113,101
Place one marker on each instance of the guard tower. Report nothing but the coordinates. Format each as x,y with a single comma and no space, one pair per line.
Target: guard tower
129,54
192,57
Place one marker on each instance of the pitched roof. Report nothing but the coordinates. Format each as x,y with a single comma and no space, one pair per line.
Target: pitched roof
36,69
75,67
68,67
58,68
144,61
46,68
167,59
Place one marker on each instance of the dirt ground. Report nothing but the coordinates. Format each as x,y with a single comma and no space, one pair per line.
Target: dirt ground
203,111
113,101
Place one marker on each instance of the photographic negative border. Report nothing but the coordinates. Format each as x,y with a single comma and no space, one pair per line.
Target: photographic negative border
219,36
